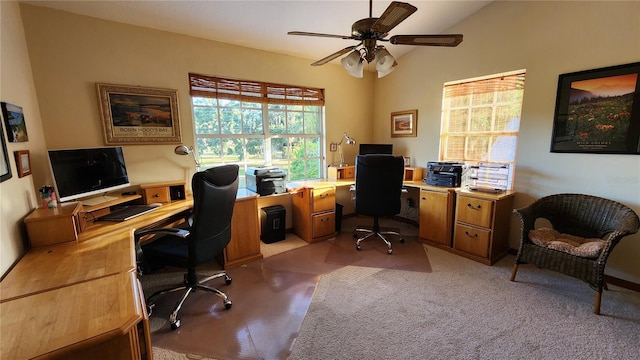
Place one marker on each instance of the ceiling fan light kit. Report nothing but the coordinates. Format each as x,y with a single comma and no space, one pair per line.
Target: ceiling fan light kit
371,30
354,64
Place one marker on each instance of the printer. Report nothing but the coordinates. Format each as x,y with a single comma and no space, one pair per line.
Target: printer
442,173
266,180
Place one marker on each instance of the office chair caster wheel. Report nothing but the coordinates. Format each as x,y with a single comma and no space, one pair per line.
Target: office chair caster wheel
389,251
175,325
227,304
402,241
150,309
227,280
355,236
358,247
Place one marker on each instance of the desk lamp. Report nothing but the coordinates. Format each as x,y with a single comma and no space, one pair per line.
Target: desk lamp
184,150
350,141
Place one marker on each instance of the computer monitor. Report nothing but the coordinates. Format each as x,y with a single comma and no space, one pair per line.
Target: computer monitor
80,173
375,149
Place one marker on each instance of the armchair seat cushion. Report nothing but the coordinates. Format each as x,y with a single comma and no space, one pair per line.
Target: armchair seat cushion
589,248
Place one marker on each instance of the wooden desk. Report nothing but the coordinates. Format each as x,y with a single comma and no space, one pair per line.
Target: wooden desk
91,319
80,300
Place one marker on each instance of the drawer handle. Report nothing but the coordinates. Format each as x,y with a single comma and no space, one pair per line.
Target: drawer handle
471,236
156,195
477,207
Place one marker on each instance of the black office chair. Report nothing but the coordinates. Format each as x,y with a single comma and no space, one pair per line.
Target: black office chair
378,189
202,237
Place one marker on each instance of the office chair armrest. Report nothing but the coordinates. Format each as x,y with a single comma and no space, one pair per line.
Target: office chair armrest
161,231
141,265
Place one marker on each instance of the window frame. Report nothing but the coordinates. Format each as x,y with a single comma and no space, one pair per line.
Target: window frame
240,95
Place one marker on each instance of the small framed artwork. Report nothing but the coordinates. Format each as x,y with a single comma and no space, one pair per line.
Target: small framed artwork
404,123
407,161
14,120
138,115
5,167
598,111
23,162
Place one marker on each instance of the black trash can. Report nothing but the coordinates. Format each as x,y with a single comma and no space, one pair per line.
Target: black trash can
273,223
339,217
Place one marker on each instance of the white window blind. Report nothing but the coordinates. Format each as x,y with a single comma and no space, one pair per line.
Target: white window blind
481,119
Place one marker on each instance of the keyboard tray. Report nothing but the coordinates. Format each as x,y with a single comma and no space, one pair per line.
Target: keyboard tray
124,213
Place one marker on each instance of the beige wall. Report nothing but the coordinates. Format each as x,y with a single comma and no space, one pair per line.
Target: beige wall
70,53
546,39
17,195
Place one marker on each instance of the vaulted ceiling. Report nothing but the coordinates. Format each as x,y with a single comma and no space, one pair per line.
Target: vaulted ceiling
264,24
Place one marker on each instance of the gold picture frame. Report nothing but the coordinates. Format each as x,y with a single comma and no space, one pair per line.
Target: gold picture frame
404,123
23,162
138,115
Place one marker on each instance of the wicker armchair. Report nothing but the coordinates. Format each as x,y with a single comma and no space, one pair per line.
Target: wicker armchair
583,216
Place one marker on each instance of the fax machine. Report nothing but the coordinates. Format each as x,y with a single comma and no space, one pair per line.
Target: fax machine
444,173
266,180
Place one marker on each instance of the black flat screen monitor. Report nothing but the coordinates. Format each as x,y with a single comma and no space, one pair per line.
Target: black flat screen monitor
78,173
375,149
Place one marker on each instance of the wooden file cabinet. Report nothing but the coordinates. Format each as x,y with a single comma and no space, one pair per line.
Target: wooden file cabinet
436,215
482,225
314,213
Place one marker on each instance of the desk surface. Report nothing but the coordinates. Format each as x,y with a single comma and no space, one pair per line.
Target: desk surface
66,317
103,249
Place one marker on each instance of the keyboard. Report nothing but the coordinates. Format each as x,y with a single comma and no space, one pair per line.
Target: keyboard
124,213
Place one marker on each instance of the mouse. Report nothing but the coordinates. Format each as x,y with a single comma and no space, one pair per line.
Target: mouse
155,204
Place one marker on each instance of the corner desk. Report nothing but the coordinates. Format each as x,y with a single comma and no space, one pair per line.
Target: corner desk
467,223
82,299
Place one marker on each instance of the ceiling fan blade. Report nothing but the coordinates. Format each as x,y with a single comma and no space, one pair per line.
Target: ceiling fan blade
318,34
427,40
394,15
334,55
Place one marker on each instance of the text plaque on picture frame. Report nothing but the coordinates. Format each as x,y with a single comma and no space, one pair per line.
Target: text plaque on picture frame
138,115
404,123
598,111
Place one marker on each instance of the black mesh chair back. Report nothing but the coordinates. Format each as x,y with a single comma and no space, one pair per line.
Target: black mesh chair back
378,190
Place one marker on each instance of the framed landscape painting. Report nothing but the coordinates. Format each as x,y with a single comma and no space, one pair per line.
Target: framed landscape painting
598,111
138,115
14,120
404,123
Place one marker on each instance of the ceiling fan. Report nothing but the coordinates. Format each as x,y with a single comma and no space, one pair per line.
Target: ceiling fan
370,30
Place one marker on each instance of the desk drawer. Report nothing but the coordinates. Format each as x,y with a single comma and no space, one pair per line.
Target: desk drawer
472,240
323,224
156,194
323,199
474,211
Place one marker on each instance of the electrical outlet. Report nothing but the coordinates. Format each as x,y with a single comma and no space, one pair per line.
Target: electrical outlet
333,147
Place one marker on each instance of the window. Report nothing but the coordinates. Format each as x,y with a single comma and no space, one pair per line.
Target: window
481,119
258,124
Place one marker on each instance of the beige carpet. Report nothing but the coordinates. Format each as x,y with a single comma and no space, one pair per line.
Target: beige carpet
465,310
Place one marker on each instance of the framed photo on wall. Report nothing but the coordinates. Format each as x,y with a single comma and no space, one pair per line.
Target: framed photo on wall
14,120
404,123
138,115
23,162
598,111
